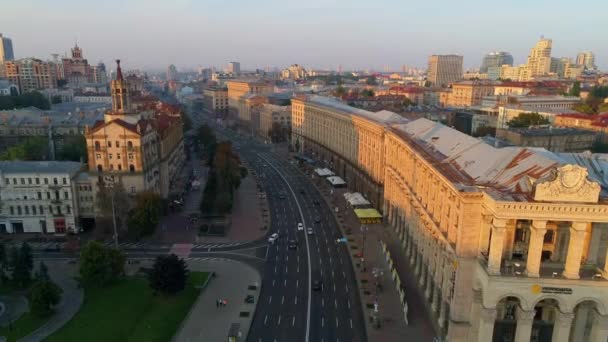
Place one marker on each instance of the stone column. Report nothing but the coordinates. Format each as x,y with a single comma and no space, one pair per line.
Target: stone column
487,317
535,248
580,322
435,301
475,312
523,331
496,245
429,285
594,243
575,250
443,311
599,331
561,328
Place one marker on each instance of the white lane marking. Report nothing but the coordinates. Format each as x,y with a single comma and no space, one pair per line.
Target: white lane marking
293,321
285,282
334,287
351,323
349,304
332,273
297,282
279,321
337,324
269,299
298,269
273,282
322,302
285,269
275,269
344,274
322,322
346,287
265,319
282,300
307,249
296,300
336,303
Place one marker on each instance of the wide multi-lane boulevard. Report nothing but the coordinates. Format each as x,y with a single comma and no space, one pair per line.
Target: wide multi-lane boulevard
289,308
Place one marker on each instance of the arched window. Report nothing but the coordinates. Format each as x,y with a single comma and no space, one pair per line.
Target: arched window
99,168
97,146
131,168
129,145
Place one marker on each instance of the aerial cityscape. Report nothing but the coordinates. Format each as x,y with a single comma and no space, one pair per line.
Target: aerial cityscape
211,172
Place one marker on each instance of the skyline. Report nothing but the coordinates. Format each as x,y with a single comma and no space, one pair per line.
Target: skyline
190,33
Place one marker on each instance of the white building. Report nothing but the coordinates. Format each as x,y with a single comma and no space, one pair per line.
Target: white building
39,196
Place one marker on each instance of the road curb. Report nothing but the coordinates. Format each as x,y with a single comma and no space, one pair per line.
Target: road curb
181,324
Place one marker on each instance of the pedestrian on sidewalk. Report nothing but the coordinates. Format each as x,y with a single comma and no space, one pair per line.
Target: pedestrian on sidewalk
217,303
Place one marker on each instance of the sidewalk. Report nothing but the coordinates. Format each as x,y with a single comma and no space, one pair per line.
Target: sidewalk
206,322
393,325
71,300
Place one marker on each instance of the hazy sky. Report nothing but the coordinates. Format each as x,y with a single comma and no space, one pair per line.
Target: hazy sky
315,33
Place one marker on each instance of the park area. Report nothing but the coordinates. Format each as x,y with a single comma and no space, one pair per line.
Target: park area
128,310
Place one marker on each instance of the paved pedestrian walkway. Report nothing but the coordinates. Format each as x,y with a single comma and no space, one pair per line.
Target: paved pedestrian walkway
72,297
207,322
374,268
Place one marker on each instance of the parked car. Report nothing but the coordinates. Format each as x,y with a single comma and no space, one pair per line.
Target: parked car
300,226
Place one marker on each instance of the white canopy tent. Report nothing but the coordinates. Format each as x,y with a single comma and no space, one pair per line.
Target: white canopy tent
336,181
356,200
324,172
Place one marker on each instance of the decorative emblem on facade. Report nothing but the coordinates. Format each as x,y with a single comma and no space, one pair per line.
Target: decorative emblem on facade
567,183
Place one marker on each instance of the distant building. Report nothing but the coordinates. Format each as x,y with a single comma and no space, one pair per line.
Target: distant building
239,88
273,115
205,73
216,99
171,73
531,102
469,93
234,68
294,72
495,59
76,70
444,69
100,75
550,138
31,74
6,49
587,60
39,197
7,88
539,61
597,123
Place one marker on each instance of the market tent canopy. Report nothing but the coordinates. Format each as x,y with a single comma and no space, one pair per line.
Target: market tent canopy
324,172
355,199
336,181
368,215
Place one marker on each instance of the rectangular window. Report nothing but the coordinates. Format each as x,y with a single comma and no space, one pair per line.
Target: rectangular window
46,181
117,155
58,210
14,180
27,210
39,195
68,209
97,156
130,156
41,210
48,195
18,210
29,181
12,210
117,143
65,195
110,156
55,181
65,180
51,209
34,210
22,180
37,180
133,190
109,144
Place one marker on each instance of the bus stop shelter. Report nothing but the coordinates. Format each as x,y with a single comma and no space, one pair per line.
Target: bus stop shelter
368,216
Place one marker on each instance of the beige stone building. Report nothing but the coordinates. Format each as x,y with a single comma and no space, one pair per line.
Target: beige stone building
469,93
506,244
539,61
216,99
237,89
143,150
31,74
270,114
597,123
444,69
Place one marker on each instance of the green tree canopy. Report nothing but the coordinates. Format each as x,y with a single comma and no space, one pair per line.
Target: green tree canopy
100,265
144,217
31,99
576,89
168,275
525,120
33,148
43,296
74,148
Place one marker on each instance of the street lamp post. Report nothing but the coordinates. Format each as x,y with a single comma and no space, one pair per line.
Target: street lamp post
109,180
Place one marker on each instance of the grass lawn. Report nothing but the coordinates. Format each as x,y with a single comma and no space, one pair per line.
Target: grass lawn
23,326
127,311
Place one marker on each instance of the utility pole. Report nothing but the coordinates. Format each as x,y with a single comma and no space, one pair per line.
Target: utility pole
109,182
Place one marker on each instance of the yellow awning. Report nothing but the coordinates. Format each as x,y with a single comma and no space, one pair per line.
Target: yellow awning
368,215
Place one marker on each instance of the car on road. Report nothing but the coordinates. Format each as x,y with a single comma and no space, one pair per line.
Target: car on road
273,237
309,231
292,244
282,196
317,219
317,285
300,226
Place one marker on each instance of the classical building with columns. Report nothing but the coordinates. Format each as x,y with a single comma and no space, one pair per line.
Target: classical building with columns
508,244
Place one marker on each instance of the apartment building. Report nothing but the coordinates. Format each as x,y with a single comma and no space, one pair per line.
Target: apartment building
444,70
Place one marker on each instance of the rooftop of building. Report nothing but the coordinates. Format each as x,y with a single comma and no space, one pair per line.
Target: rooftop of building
550,131
40,167
66,114
507,173
383,117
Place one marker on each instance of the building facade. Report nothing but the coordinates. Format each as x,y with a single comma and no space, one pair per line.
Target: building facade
39,197
238,89
272,115
551,139
234,68
216,99
539,61
495,59
469,93
31,74
586,59
76,70
141,149
505,243
6,49
597,123
444,70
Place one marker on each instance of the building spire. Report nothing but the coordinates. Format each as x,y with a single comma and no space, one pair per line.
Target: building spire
118,70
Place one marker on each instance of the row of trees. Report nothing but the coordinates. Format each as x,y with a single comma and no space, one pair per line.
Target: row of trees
224,177
525,120
72,148
594,103
31,99
16,271
101,266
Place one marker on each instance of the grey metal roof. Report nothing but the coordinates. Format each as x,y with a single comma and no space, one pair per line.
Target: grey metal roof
384,117
53,167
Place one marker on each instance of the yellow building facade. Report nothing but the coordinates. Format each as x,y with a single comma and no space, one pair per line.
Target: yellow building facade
469,93
237,89
505,243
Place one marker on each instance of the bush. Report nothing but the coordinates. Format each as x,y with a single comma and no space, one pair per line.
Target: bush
100,265
43,296
168,275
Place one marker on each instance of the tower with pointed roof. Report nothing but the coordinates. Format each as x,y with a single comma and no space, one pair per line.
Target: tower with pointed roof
120,92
